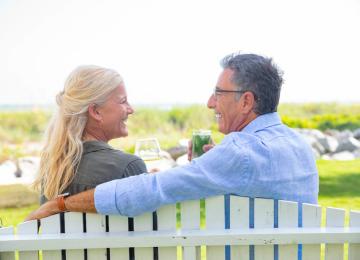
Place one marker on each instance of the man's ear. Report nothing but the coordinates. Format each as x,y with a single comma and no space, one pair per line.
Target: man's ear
248,102
94,112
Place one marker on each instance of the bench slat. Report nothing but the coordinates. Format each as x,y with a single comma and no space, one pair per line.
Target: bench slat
334,218
215,219
167,221
354,249
74,224
311,217
190,219
288,217
264,218
144,222
239,218
51,225
7,255
118,224
96,223
29,227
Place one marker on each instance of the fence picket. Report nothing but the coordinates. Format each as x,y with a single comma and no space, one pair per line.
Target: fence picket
334,218
239,218
51,225
215,219
354,249
167,221
118,224
74,224
190,219
311,217
288,217
26,228
143,222
264,218
7,255
96,223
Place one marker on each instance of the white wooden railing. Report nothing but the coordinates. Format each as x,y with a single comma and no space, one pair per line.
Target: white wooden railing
253,228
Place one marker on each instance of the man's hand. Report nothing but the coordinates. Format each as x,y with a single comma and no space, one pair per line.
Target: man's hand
47,209
205,148
81,202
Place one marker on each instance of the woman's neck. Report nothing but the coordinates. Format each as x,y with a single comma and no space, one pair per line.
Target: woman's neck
92,136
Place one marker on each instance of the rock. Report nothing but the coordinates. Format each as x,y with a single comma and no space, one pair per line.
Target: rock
316,133
356,134
344,135
316,153
182,160
356,153
343,156
332,132
18,171
326,157
350,144
177,151
7,175
329,143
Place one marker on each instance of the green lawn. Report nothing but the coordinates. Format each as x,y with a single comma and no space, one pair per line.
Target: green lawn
339,187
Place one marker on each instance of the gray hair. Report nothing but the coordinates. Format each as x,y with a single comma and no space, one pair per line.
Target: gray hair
258,75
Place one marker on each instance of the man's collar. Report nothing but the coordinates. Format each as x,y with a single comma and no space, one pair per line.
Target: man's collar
261,122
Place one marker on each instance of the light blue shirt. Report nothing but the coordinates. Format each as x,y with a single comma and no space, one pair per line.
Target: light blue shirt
266,159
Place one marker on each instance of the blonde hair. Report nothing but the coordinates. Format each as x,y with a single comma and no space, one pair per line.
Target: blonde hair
63,147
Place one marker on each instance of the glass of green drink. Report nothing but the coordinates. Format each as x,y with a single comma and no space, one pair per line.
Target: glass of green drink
199,139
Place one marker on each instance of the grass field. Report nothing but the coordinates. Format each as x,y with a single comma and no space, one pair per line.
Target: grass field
339,187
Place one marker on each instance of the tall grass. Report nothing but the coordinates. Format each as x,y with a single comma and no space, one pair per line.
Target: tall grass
18,127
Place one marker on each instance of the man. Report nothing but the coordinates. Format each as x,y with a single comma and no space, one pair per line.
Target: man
259,156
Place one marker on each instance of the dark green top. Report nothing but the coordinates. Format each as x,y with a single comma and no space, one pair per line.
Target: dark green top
101,163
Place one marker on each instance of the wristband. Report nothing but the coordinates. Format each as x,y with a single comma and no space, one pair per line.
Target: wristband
60,200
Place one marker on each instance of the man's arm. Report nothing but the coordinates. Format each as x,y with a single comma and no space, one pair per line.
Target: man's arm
81,202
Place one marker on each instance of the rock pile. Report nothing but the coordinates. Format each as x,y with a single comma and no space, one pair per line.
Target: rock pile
333,144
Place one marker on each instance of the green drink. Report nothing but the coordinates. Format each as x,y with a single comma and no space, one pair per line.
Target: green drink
199,139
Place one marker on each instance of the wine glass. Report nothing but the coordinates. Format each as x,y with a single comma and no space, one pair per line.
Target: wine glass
148,149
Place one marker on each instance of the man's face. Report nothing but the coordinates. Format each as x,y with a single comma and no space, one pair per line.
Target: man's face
227,109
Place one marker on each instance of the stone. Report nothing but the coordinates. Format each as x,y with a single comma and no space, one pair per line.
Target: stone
356,134
343,156
356,153
177,151
182,160
329,143
350,144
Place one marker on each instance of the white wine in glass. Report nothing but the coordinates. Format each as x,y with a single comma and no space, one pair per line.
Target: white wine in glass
148,149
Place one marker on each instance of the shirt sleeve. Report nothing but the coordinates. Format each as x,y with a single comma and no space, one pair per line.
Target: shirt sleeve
219,171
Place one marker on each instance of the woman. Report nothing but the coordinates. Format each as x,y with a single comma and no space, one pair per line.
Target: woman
92,110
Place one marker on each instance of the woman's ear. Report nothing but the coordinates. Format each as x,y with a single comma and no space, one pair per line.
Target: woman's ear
94,113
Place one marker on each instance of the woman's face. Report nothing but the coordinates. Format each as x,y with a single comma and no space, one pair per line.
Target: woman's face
114,114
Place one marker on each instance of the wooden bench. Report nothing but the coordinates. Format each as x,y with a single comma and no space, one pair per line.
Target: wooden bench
251,228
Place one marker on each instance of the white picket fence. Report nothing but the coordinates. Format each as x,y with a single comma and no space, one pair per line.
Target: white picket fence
252,228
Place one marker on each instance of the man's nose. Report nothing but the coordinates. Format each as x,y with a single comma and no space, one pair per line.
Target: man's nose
211,102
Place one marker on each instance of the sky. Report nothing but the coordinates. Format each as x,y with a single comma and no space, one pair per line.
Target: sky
168,52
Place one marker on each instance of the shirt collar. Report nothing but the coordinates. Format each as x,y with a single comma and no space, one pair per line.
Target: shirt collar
94,146
261,122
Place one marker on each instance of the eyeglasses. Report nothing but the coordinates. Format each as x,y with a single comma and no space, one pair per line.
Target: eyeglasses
217,92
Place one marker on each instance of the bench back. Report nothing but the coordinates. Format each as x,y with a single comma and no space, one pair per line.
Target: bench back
252,228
